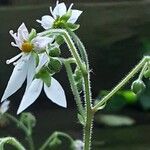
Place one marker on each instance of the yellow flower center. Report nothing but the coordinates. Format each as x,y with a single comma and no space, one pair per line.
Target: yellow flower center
27,47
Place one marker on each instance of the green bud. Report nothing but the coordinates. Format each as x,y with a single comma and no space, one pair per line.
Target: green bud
54,66
54,52
59,39
138,86
28,119
147,73
32,34
77,74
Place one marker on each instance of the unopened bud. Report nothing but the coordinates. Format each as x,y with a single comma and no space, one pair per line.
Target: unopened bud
54,52
147,73
138,86
54,66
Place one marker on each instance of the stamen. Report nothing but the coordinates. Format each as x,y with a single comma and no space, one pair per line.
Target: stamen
13,44
13,59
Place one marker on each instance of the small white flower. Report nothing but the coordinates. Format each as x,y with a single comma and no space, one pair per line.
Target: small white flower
60,10
54,92
24,62
4,107
78,144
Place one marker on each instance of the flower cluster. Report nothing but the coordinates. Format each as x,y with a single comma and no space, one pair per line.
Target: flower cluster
35,64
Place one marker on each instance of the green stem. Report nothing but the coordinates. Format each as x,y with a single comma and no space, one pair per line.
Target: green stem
12,141
80,46
86,77
121,84
142,72
89,115
55,134
74,87
24,128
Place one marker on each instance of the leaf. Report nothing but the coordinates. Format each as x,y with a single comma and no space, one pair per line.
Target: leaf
115,120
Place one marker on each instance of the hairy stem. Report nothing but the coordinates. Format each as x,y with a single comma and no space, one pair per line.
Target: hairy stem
122,83
74,87
24,128
56,134
12,141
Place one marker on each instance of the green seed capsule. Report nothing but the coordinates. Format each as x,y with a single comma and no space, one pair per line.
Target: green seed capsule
147,74
138,86
54,66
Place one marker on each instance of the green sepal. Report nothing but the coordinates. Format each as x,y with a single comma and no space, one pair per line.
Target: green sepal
36,57
66,17
32,34
72,26
44,75
81,119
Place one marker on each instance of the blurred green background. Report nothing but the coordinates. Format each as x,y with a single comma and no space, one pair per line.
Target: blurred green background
116,34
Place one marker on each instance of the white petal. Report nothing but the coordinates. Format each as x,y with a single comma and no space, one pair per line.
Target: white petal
56,93
31,94
41,42
16,80
23,32
74,16
31,70
4,107
59,10
46,22
43,58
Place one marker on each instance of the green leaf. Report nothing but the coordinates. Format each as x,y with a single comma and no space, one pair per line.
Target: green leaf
115,120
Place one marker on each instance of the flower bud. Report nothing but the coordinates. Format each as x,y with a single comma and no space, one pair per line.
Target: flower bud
147,73
32,34
137,86
54,66
54,52
59,39
28,119
77,74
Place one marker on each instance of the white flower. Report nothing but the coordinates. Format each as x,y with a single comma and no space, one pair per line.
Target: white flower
60,10
24,62
78,144
4,107
54,92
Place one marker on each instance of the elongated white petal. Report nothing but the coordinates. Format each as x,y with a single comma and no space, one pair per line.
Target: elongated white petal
31,94
31,71
4,107
74,16
46,22
59,10
23,32
56,93
16,80
43,58
40,43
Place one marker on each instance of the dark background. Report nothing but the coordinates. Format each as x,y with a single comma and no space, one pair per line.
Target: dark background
112,32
